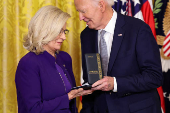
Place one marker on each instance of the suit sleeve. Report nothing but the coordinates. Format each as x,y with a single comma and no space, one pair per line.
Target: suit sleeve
28,85
148,60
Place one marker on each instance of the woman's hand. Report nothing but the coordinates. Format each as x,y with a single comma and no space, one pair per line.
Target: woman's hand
74,93
78,92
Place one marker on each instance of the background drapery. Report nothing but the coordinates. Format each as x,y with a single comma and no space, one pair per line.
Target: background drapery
15,16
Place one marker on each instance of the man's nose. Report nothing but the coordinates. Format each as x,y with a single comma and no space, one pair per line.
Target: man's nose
81,17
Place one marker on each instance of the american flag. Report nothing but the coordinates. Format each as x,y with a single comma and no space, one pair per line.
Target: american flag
142,9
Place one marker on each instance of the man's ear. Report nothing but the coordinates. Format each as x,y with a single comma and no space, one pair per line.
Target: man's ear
102,5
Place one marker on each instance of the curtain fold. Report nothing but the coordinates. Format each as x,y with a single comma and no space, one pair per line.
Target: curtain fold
15,16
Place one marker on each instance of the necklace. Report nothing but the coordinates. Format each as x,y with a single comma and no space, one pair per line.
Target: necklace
63,82
64,78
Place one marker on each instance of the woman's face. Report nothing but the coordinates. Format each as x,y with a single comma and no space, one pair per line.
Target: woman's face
55,44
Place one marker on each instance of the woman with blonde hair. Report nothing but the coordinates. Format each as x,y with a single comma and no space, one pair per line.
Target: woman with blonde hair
44,76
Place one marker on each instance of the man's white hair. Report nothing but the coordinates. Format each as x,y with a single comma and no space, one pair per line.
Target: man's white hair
110,2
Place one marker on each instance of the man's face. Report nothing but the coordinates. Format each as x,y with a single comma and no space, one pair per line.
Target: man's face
90,12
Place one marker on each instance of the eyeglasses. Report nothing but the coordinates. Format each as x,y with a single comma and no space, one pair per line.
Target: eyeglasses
65,31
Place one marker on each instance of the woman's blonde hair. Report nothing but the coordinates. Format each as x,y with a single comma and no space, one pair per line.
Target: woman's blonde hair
44,27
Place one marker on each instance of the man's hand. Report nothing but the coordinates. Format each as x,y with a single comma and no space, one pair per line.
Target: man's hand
105,84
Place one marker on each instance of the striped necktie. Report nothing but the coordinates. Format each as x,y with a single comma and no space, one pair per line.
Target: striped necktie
103,52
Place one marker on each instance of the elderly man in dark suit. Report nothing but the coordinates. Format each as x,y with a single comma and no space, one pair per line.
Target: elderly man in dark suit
131,60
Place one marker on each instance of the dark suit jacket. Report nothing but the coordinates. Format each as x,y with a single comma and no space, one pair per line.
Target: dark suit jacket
40,88
134,61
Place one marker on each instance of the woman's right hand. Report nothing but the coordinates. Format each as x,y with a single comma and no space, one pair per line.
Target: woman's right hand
78,92
74,93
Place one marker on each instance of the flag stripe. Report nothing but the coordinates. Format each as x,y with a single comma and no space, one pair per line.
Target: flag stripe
160,91
167,51
167,39
148,16
166,46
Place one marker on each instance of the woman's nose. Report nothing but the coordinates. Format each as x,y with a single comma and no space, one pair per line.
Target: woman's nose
63,36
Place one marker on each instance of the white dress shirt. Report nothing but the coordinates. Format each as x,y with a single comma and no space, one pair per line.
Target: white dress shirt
108,36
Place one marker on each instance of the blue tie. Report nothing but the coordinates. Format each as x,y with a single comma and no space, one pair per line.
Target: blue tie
103,52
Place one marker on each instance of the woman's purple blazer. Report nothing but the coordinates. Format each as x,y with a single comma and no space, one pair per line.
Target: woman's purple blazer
40,88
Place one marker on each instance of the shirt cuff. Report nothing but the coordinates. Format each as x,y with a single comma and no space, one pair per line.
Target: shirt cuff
115,85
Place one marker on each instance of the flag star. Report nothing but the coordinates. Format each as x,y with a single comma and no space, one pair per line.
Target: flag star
169,97
164,94
136,2
123,2
123,12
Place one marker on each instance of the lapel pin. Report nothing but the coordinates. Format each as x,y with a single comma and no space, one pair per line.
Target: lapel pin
119,34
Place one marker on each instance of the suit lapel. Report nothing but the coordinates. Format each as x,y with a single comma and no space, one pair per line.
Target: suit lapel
117,40
94,37
96,40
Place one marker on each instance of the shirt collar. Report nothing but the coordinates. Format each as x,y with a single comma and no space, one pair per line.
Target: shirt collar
111,25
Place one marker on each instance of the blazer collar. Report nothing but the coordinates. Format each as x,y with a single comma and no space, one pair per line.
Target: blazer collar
64,67
59,61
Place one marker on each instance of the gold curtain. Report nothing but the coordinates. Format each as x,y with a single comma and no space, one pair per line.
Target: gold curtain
14,19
